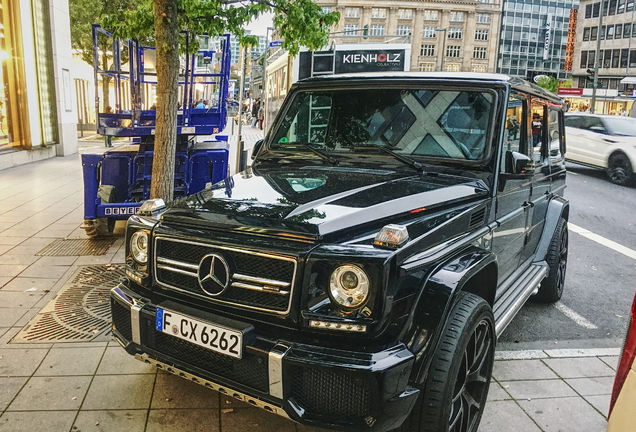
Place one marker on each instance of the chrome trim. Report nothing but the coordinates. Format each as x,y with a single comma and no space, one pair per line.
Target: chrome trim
247,252
135,322
265,289
117,292
212,385
275,369
177,270
171,262
262,281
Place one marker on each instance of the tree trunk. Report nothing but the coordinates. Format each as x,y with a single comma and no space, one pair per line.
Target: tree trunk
167,39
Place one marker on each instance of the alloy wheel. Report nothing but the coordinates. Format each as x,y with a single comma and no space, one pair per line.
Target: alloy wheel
563,261
469,395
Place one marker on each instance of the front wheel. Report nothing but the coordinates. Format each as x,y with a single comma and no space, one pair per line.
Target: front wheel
619,169
454,393
551,289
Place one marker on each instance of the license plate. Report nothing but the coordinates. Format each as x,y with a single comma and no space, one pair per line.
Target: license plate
205,334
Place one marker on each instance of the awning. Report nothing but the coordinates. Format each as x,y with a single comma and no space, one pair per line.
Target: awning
628,80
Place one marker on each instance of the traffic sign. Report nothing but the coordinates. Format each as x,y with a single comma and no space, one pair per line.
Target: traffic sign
275,43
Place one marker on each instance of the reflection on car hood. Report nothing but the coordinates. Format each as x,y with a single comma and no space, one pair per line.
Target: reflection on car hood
315,202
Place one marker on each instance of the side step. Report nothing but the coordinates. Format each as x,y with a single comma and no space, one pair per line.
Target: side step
509,303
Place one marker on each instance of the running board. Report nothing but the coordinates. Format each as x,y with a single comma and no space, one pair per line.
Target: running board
513,299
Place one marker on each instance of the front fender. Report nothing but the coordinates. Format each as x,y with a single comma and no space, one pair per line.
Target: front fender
558,208
435,300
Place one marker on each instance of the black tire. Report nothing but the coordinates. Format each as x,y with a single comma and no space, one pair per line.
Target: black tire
619,169
551,289
459,375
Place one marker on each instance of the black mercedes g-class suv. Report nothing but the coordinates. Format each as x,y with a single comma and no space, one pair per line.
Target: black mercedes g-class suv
357,276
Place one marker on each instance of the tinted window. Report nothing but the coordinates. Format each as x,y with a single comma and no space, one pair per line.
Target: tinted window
573,121
514,136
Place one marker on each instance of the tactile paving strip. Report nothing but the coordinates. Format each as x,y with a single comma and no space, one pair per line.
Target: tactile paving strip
81,310
77,247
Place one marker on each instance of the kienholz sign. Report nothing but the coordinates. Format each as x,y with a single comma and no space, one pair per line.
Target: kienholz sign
369,61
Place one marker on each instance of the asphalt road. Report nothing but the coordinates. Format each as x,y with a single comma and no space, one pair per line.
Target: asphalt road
600,281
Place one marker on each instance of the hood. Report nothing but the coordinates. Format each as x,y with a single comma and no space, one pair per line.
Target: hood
316,201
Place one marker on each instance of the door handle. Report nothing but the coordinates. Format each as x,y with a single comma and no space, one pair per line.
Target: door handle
528,204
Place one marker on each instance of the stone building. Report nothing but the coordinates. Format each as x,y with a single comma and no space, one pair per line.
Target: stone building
444,35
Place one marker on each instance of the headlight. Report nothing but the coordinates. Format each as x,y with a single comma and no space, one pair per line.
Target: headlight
349,286
139,246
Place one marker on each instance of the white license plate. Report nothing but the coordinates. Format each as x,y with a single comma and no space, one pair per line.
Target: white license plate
211,336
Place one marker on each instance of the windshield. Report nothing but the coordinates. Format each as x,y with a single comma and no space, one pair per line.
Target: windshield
621,126
429,123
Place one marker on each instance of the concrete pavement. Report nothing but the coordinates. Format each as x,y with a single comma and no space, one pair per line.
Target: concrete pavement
95,386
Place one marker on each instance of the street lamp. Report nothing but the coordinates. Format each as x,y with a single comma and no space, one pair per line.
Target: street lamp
442,29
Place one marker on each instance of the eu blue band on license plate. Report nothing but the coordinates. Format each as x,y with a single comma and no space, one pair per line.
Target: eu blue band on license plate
159,319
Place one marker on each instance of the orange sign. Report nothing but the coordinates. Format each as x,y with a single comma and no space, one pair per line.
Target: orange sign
569,48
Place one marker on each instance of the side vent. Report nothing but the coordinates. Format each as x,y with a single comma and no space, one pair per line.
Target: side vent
477,218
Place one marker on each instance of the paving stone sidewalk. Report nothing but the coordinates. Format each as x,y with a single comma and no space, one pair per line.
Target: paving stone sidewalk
95,386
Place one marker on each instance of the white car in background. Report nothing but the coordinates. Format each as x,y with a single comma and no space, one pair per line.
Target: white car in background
603,141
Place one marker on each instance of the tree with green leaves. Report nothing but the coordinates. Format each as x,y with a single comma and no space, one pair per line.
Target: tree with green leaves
299,23
549,83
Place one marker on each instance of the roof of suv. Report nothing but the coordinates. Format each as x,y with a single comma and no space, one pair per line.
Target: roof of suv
515,82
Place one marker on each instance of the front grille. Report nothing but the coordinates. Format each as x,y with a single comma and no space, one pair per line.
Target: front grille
270,277
251,370
121,319
328,392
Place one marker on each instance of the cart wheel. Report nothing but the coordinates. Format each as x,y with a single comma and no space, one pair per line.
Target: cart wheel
101,227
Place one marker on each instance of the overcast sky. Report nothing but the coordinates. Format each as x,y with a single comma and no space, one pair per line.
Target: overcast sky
259,26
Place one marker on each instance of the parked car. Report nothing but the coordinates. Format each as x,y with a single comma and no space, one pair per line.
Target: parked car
357,276
603,141
623,401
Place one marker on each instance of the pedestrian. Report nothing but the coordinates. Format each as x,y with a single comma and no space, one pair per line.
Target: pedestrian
261,116
200,105
255,107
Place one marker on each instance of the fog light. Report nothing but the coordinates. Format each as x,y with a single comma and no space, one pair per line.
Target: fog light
348,327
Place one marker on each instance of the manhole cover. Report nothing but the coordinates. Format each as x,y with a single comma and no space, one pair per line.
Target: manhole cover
77,247
81,310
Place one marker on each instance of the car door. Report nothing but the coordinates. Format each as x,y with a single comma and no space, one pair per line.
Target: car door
547,122
592,144
574,133
513,191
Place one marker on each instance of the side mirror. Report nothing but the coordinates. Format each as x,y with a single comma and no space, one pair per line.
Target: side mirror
517,163
257,148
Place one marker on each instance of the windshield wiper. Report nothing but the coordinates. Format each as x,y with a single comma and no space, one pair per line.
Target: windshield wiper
404,159
324,156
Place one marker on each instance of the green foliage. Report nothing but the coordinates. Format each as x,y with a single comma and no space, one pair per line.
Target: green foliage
566,84
549,83
299,22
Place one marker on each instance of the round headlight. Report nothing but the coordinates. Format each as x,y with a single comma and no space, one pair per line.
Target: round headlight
139,246
349,286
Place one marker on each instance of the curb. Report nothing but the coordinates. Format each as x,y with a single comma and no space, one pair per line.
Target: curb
556,353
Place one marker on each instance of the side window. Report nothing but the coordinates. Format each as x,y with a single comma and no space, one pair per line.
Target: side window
515,121
573,121
538,125
594,124
555,146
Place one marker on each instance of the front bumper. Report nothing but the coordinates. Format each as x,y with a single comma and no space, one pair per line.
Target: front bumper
309,384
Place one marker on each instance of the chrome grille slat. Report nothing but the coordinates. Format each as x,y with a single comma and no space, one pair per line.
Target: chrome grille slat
259,280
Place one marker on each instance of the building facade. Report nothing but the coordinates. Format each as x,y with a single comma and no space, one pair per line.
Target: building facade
617,56
444,35
37,95
534,36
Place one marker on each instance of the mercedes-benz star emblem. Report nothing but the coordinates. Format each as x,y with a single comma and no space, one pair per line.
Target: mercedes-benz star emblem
214,274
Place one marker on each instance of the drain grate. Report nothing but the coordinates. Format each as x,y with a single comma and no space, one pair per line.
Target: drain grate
81,310
77,247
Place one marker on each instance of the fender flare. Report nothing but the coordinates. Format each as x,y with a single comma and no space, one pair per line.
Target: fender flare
558,208
435,301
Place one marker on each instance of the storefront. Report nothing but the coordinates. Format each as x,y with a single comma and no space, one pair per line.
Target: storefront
36,93
608,101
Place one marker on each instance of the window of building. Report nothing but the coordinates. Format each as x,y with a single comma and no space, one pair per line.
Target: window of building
633,29
405,13
621,7
326,9
603,30
376,30
583,59
629,6
596,10
586,34
479,68
624,57
452,67
428,32
612,7
455,33
594,33
605,7
481,34
381,12
427,67
618,31
588,11
483,18
479,53
483,1
616,55
632,58
610,32
403,30
457,16
351,29
428,50
591,56
453,51
352,12
430,15
607,58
